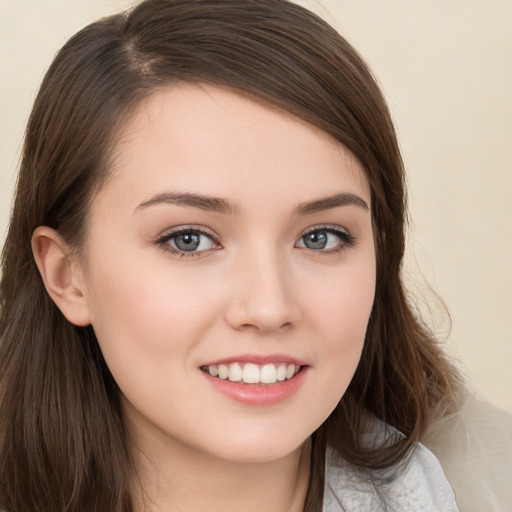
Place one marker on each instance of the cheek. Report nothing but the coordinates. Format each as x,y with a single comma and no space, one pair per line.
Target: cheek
341,302
149,302
340,310
148,321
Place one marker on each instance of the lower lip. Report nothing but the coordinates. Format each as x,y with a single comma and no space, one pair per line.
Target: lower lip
258,394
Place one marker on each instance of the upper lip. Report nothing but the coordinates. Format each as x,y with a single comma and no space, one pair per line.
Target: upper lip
258,359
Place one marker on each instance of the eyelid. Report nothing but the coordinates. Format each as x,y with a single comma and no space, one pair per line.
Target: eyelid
347,239
162,240
326,227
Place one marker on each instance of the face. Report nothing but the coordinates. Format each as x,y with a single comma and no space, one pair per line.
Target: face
230,274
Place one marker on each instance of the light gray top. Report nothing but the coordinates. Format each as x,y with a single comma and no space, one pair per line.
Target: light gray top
420,487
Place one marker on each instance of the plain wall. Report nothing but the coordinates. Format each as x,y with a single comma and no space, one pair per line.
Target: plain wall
445,67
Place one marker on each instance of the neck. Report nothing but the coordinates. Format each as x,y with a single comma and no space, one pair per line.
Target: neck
181,479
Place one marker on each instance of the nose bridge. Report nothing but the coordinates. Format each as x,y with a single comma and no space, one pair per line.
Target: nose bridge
263,298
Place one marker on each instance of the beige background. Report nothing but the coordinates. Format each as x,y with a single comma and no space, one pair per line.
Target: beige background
445,67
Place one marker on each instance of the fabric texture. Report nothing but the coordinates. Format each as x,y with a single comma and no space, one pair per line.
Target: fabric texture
418,487
474,447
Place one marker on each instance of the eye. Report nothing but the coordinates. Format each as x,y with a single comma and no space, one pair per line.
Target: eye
327,239
187,241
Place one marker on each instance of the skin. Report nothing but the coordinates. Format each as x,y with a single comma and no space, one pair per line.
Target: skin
256,288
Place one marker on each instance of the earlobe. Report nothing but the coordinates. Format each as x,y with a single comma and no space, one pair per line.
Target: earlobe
60,275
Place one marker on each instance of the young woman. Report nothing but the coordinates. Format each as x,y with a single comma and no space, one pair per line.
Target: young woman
201,300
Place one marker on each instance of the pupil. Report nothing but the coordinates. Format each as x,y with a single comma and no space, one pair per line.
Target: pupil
187,242
317,240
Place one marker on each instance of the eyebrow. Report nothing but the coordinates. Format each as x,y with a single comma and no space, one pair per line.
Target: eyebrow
208,203
220,205
330,202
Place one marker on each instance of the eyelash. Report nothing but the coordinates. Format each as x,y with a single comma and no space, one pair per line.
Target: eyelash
346,239
163,242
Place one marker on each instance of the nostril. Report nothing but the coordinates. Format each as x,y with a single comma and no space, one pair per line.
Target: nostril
262,327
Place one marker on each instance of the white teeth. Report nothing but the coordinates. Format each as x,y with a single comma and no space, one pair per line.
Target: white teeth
223,371
235,372
268,374
252,373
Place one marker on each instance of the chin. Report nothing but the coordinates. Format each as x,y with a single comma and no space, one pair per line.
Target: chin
253,448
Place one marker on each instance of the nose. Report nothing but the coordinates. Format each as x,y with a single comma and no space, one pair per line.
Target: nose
263,298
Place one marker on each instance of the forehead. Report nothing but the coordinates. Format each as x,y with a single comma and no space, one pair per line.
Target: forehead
218,141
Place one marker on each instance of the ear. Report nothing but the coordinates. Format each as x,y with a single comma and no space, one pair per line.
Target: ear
61,275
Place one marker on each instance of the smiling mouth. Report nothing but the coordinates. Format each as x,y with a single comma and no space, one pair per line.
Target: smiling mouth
250,373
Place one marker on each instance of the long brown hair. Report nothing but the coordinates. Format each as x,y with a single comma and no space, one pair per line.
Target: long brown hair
63,443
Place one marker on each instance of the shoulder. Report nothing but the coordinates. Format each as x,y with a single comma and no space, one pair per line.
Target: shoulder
474,447
420,486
